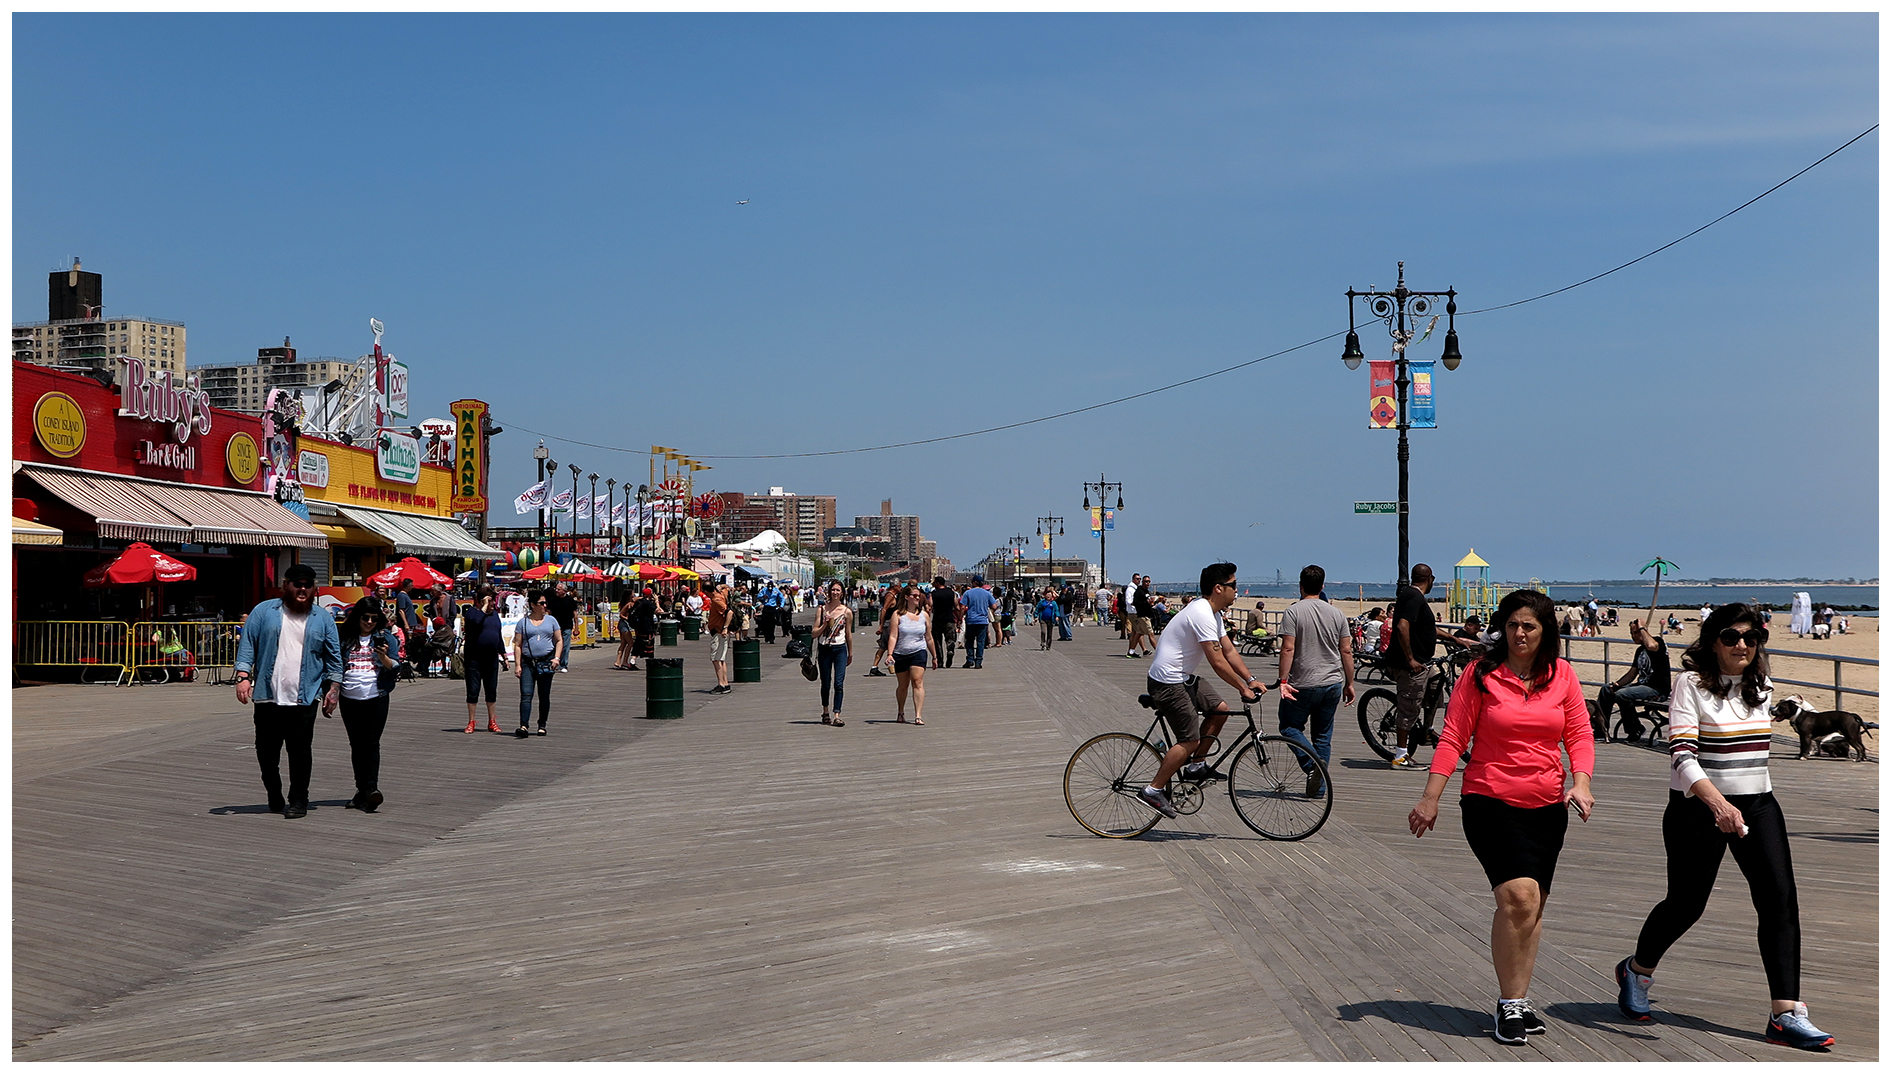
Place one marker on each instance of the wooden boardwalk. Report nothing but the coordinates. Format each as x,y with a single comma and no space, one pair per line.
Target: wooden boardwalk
746,884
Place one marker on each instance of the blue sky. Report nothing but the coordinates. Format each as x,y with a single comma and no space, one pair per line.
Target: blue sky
962,221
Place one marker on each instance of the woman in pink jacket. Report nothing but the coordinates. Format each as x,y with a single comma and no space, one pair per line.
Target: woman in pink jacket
1518,708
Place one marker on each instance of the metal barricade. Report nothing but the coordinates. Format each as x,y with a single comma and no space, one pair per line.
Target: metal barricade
183,652
99,648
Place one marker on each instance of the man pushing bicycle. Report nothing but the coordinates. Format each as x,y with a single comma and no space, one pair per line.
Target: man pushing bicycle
1184,700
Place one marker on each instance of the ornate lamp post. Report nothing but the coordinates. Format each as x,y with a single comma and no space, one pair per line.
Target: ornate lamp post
1393,307
594,503
610,508
1016,543
1103,488
642,491
542,456
575,471
1045,526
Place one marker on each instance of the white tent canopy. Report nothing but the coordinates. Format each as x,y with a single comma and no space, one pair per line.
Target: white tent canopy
765,541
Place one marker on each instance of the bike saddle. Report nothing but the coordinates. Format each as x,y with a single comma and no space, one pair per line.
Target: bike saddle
1145,701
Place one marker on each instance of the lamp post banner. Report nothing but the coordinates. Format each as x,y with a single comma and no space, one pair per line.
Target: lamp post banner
1096,521
1384,411
1109,518
1424,415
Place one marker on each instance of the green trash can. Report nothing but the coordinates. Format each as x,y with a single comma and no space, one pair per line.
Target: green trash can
869,615
666,631
663,688
748,660
692,627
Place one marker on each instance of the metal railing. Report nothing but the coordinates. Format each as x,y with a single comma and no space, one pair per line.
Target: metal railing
1835,687
125,653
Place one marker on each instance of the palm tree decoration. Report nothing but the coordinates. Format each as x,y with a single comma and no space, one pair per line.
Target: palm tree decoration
1658,565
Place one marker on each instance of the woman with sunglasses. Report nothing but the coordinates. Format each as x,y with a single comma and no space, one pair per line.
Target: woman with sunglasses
540,642
1518,709
833,654
911,639
485,648
367,678
1719,797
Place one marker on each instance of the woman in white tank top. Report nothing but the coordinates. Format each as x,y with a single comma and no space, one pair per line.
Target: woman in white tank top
912,651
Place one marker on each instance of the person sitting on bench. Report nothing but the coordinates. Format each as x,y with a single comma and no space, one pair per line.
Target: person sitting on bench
1646,680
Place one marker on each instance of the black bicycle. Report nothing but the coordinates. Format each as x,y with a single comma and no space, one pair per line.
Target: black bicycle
1378,709
1279,788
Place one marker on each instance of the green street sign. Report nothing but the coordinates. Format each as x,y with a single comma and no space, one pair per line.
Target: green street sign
1375,507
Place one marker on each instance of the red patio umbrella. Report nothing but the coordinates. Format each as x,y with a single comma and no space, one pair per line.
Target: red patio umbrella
410,567
140,564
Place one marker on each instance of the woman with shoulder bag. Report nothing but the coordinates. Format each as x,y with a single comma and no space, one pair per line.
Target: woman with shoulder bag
835,627
539,642
1518,708
368,660
1720,798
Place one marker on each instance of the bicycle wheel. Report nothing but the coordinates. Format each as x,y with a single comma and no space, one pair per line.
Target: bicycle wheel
1619,733
1378,721
1102,784
1268,784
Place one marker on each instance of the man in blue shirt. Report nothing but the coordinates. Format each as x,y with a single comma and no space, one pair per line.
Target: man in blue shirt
977,601
286,661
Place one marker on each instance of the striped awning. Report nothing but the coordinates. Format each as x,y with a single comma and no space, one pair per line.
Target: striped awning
419,535
26,531
142,509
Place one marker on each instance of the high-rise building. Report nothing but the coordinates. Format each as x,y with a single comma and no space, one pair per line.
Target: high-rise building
901,531
799,518
76,335
246,387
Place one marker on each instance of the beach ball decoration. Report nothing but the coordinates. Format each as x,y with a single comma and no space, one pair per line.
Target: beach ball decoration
528,558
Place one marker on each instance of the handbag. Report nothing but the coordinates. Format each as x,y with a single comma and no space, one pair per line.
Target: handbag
808,670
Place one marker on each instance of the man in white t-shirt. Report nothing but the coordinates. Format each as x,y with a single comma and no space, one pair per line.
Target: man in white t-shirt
1187,703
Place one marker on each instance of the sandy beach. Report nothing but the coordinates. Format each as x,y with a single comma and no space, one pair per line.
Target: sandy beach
1861,642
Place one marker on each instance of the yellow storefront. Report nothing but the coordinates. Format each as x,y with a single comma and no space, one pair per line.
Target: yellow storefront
377,506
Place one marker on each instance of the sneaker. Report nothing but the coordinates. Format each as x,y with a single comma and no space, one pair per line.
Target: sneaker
1532,1022
1510,1028
1158,800
1315,788
1795,1028
1633,997
1201,772
523,731
1404,762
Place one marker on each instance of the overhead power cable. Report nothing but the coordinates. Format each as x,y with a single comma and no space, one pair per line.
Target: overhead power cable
1228,369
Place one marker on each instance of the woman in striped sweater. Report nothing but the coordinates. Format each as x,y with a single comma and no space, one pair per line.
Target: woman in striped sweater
1721,796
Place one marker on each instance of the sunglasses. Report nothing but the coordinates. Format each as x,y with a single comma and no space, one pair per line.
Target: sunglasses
1752,638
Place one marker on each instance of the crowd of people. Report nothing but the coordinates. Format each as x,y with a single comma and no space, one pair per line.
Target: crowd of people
1516,711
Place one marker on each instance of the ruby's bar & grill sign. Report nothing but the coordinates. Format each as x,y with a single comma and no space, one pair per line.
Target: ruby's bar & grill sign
158,398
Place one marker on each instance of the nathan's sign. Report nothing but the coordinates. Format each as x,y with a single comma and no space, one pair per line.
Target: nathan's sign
469,467
158,398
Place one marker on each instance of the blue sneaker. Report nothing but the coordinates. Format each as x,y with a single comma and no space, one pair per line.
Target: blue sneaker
1633,997
1795,1028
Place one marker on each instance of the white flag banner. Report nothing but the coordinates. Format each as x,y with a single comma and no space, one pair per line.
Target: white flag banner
561,502
530,500
617,513
584,507
599,505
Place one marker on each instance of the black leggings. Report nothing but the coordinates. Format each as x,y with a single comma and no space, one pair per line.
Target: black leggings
945,642
1695,847
365,721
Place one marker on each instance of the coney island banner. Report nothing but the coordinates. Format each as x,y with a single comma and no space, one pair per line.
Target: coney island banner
1096,521
1423,414
1384,412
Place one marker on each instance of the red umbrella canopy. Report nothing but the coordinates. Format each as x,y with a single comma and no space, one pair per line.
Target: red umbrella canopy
410,567
140,564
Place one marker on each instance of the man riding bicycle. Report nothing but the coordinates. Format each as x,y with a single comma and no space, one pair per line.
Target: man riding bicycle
1187,703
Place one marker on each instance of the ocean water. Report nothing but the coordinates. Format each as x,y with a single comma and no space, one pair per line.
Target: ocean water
1862,597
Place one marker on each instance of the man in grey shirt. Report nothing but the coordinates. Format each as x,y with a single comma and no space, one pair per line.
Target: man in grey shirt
1316,670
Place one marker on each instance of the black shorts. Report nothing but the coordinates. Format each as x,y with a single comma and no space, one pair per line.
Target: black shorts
909,661
1512,841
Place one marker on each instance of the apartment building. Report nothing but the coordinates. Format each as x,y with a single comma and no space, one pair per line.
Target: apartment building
246,387
799,518
900,531
77,335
